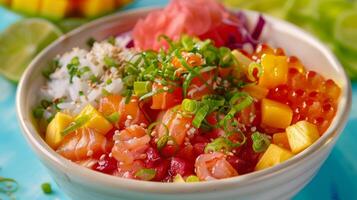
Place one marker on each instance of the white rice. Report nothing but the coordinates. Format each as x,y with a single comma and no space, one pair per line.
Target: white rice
81,91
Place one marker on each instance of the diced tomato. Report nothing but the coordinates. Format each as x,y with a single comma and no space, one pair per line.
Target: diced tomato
165,100
83,143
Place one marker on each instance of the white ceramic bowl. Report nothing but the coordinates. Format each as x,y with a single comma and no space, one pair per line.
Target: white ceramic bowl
280,182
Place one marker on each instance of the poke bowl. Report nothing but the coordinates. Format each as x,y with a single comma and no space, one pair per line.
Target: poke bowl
273,159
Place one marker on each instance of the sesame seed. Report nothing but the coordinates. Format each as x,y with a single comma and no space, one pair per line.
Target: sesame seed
89,153
170,142
129,117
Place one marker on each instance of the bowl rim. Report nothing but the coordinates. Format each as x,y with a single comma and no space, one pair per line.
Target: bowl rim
49,155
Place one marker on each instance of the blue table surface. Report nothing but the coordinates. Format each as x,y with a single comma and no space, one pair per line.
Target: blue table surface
336,180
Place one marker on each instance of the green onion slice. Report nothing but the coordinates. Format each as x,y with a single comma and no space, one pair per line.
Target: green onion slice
189,105
8,185
46,188
260,142
76,124
142,87
217,145
146,174
113,118
200,116
251,70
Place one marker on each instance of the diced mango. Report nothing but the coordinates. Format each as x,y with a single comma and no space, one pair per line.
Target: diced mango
281,139
55,127
273,155
256,91
301,135
93,8
276,114
96,120
275,71
30,7
54,10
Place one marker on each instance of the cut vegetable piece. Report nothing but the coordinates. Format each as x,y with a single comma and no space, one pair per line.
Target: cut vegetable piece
55,128
93,8
21,42
54,10
256,91
275,71
276,114
301,135
273,155
30,7
281,139
96,121
243,61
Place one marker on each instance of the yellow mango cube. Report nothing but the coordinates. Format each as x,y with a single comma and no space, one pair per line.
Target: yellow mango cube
93,8
55,127
272,156
54,10
275,71
30,7
301,135
95,121
276,114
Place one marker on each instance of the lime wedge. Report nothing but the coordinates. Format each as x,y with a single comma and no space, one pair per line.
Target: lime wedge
20,43
345,29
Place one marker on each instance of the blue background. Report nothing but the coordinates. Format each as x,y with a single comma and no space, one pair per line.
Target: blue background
335,181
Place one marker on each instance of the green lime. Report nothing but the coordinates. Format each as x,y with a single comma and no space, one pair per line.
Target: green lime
21,42
345,29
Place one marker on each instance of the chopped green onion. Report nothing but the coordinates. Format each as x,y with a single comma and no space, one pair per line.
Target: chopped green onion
189,105
51,68
110,62
105,92
162,141
38,112
200,116
192,179
251,70
217,145
8,185
146,174
226,57
260,142
93,79
113,118
111,40
142,87
76,124
109,81
81,93
46,188
90,42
